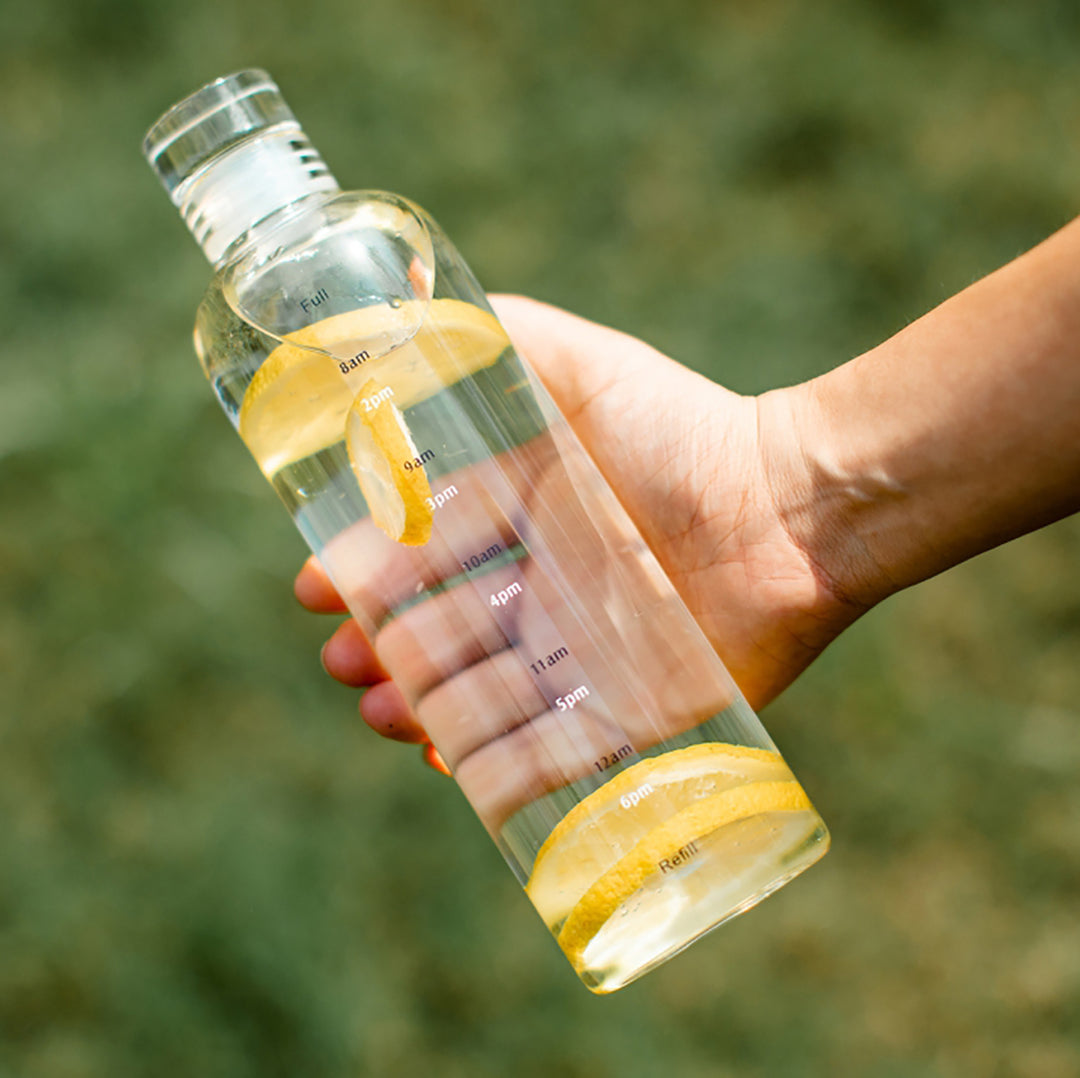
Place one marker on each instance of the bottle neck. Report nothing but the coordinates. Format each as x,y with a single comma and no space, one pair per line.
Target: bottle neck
247,182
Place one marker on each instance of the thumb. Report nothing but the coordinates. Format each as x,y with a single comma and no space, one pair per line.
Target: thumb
580,362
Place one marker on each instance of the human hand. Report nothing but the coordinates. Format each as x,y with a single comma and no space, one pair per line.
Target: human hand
702,471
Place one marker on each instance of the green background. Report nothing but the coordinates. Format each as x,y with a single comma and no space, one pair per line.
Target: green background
208,865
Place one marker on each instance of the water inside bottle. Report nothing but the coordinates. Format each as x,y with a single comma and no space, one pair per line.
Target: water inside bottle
532,632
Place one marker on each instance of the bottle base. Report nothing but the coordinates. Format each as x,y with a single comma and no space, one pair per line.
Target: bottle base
732,872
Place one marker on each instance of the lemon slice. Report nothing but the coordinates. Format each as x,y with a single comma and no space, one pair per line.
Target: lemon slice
298,399
419,348
610,822
294,407
387,465
669,845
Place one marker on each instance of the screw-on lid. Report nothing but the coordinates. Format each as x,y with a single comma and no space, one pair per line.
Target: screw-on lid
232,153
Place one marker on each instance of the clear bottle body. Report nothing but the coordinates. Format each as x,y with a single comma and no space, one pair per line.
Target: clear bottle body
579,706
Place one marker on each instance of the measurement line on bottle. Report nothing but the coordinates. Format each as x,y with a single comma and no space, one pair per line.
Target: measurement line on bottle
572,698
439,499
501,598
610,759
474,561
350,364
373,402
549,660
418,462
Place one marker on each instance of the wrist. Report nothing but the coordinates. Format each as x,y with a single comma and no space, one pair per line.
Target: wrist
957,434
831,501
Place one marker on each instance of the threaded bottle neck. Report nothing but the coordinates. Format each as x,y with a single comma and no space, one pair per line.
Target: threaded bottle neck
230,155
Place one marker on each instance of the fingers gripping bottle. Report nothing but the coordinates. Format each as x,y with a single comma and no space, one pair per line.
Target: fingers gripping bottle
580,708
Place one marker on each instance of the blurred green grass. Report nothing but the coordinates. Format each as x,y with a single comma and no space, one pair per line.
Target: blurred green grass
207,865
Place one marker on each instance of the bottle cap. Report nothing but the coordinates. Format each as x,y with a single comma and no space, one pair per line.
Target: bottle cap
230,154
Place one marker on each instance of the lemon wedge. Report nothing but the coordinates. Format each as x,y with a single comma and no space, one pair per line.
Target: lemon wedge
298,400
611,821
387,466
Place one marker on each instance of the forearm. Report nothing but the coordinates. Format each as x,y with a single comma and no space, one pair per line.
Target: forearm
957,434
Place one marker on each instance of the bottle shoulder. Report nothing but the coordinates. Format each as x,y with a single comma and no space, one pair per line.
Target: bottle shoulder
306,264
348,274
308,224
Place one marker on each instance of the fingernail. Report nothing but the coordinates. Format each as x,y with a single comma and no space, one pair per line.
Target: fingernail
433,759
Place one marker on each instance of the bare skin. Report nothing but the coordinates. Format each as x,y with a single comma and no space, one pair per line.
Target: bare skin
782,518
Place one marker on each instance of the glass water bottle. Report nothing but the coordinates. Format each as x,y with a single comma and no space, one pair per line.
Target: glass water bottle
551,663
